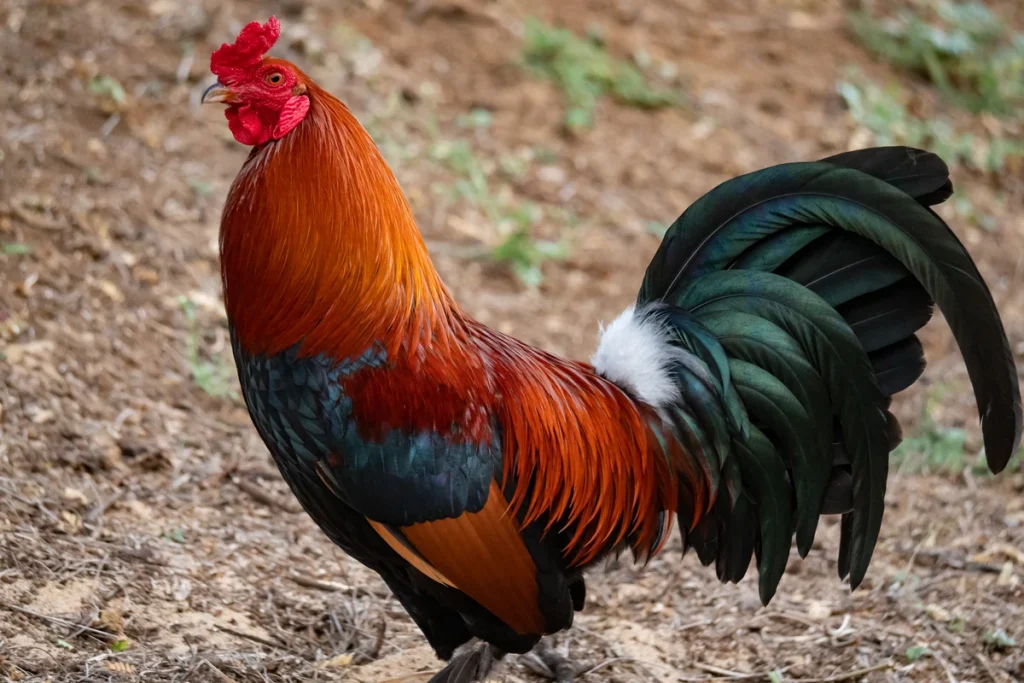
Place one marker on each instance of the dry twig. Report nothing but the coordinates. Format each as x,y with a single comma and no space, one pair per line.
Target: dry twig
59,621
261,496
317,584
102,506
849,675
949,558
253,637
220,675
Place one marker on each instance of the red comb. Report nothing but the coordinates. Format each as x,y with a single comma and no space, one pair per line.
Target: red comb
231,61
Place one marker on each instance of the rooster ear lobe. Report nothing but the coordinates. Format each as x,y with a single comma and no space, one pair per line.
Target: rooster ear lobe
292,114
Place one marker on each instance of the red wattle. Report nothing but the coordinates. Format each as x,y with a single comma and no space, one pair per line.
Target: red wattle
251,128
246,126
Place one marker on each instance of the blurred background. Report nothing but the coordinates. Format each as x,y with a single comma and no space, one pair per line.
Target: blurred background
545,147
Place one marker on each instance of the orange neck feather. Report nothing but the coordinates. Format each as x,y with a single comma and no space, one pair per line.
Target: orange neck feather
320,246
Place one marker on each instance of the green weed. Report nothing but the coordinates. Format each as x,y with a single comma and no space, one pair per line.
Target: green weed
514,219
201,188
215,377
917,652
882,111
108,86
586,73
932,448
177,535
998,641
938,449
523,253
480,181
963,48
476,119
16,249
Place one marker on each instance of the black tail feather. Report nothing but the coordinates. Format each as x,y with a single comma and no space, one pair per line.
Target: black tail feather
842,261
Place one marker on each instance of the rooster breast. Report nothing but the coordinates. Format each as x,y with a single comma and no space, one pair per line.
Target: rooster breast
343,424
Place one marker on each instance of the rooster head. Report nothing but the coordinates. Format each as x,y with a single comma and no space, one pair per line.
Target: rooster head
266,97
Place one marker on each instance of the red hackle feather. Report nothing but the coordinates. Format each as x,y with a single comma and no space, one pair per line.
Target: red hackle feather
231,61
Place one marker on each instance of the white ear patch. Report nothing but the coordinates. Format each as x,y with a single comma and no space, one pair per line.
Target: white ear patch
634,353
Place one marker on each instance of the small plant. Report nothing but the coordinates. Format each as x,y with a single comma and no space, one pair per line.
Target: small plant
511,218
108,86
883,113
998,641
963,48
16,249
120,645
216,378
586,72
916,653
525,254
933,448
200,188
177,535
479,119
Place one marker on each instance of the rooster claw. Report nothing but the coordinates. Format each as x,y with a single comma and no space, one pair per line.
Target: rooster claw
469,665
545,661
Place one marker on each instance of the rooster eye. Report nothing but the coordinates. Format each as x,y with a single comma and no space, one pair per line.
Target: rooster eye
274,78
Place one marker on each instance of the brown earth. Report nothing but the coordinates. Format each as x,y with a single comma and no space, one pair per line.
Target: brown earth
144,534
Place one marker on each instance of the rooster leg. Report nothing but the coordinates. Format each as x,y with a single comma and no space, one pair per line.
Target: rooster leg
472,663
546,661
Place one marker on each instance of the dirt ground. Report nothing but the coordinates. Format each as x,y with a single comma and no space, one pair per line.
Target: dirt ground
144,533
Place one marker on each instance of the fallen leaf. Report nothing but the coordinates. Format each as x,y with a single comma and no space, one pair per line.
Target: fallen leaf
1015,554
72,522
111,290
16,353
110,619
818,610
1006,577
182,589
74,497
120,668
337,662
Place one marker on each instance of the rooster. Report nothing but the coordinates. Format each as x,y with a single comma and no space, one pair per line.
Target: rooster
745,394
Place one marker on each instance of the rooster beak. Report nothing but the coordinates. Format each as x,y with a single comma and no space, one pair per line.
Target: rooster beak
218,92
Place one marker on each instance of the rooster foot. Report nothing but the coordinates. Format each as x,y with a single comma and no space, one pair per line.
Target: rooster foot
471,663
547,662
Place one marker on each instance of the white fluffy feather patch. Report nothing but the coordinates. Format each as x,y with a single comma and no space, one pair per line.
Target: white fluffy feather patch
634,352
